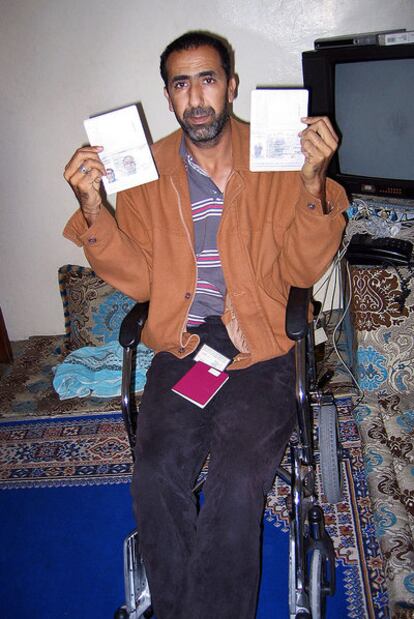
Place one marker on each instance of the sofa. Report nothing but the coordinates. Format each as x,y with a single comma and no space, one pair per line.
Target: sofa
93,312
382,312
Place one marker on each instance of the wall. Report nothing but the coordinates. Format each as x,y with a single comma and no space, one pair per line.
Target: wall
63,61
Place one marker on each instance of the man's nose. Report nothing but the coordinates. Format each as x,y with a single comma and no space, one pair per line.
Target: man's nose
196,95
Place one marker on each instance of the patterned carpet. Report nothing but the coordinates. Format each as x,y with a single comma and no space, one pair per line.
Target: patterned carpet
93,451
70,452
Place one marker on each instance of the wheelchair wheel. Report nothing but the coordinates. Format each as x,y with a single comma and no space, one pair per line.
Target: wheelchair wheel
329,452
317,585
294,613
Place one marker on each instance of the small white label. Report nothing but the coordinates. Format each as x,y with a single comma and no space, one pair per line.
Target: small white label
320,336
211,357
214,372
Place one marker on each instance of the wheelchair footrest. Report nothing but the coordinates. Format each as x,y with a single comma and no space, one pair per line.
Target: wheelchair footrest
137,594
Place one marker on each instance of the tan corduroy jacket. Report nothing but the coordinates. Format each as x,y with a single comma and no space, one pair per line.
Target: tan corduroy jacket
272,235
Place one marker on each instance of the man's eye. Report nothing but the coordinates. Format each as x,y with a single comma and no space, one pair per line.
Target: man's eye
209,80
179,85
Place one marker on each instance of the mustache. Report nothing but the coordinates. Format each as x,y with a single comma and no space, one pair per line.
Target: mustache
195,112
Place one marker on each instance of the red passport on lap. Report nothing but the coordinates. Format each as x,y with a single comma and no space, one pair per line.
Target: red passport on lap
200,384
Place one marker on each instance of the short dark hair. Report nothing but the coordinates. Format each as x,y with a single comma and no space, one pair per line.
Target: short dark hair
192,40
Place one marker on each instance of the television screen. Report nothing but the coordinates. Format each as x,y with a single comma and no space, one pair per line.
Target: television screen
368,92
374,113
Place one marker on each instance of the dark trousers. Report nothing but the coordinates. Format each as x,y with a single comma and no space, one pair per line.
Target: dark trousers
206,564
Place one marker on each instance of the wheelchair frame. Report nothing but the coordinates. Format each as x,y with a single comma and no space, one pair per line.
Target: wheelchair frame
311,552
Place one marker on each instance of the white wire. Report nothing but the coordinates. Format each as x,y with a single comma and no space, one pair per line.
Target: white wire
334,341
335,272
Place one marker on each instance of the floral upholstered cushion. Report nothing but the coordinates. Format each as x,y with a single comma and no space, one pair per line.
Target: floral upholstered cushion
383,320
386,426
93,309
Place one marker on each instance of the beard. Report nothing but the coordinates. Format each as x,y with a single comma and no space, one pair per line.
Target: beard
209,132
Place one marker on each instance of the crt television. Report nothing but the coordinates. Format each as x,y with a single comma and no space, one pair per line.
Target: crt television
368,93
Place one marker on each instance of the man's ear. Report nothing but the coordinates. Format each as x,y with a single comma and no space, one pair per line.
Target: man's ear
167,96
232,89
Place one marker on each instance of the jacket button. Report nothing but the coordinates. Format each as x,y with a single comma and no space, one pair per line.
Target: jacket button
181,349
311,206
187,295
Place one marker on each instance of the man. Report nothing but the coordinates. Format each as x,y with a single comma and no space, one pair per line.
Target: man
129,164
215,248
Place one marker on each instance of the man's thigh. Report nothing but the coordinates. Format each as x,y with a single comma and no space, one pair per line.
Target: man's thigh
171,431
252,419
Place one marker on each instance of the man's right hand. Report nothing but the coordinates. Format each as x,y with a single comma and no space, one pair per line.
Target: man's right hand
83,173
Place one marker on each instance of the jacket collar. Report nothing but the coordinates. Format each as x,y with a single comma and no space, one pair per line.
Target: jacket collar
167,156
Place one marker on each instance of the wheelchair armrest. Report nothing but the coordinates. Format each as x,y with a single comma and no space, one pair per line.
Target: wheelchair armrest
132,325
297,312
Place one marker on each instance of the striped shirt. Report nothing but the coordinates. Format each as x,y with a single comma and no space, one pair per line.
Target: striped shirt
206,205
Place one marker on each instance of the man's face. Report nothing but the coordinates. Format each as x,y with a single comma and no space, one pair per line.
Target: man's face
199,93
129,164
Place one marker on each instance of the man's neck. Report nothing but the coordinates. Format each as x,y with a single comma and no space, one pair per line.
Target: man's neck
217,158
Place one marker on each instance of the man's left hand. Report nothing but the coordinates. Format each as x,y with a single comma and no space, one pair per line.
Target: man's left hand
318,143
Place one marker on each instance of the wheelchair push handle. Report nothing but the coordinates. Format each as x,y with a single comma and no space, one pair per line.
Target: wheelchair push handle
297,313
132,325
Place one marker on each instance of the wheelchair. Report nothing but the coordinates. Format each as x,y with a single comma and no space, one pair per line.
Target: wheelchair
311,551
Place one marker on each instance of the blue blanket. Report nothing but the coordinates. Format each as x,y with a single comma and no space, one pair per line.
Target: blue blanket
97,371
